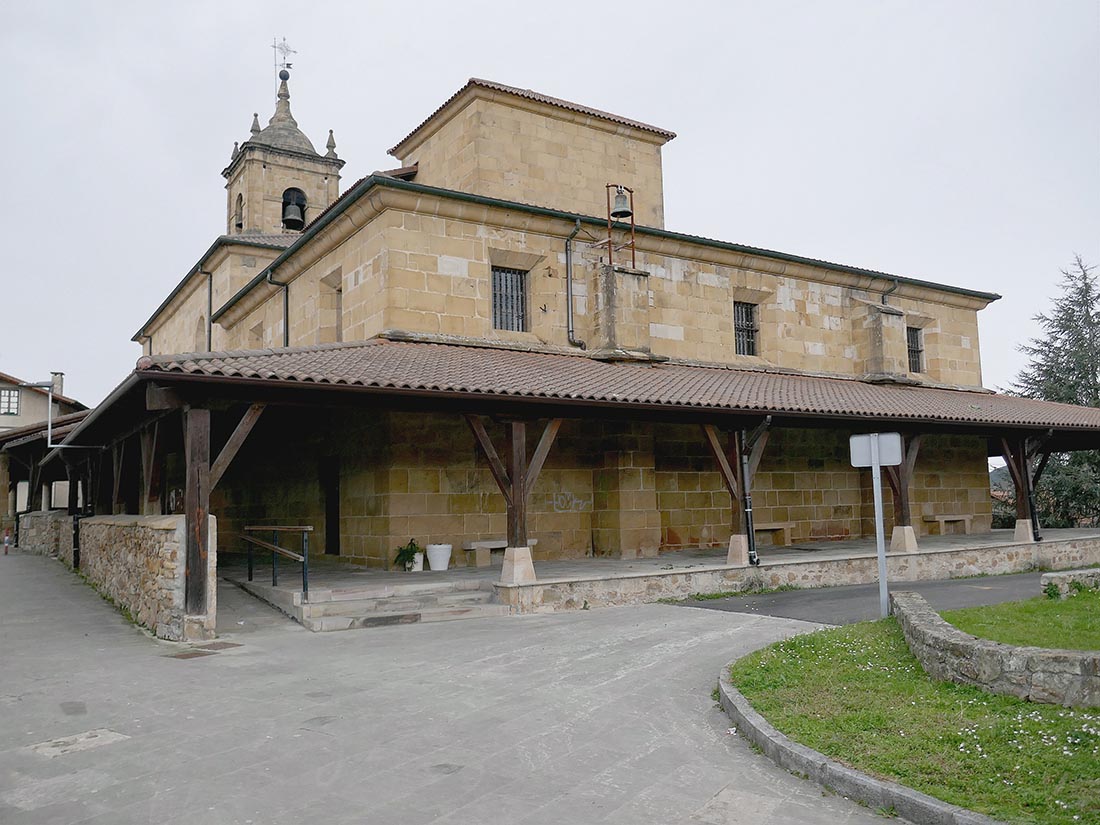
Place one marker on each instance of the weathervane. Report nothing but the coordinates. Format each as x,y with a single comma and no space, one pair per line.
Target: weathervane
282,50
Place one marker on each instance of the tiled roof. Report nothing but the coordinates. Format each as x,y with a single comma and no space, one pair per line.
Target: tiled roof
576,379
529,94
281,239
62,425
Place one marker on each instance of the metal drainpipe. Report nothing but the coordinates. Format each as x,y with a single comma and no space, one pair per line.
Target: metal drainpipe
286,308
209,308
888,292
569,288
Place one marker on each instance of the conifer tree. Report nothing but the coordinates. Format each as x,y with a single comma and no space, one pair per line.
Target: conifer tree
1064,365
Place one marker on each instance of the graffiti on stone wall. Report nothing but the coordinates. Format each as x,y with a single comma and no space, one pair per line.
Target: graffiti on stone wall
567,502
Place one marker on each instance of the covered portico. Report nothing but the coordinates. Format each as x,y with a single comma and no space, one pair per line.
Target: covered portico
247,436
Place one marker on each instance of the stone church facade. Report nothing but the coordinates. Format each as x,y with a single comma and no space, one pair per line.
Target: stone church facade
493,234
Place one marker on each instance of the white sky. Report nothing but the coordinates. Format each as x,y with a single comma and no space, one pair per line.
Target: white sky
956,142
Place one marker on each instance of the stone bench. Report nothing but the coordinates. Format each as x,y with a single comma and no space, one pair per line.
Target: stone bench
943,521
482,553
781,531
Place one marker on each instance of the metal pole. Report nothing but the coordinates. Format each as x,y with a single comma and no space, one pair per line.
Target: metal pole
880,537
274,560
305,566
746,495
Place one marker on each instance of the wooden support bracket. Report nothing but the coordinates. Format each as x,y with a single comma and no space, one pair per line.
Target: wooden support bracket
229,451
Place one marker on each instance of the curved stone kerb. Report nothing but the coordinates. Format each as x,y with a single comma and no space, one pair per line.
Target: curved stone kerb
1064,677
919,808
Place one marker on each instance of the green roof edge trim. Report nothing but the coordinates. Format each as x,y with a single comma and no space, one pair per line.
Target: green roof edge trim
222,240
367,183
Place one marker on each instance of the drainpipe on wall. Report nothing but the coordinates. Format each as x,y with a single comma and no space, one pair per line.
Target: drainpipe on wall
569,288
286,308
209,308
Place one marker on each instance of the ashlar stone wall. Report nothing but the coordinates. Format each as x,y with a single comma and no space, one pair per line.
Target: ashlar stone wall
139,562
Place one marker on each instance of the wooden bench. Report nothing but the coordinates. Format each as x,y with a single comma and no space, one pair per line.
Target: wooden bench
943,521
781,531
481,553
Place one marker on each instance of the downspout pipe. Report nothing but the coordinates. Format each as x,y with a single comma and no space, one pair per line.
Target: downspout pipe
286,307
209,309
569,331
888,292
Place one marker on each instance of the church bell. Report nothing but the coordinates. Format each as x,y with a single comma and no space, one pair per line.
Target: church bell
292,216
621,209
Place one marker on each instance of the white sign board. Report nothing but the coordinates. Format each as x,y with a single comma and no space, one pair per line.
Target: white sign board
889,449
878,450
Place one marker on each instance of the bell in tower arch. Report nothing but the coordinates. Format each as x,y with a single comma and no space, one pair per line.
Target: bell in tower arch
294,204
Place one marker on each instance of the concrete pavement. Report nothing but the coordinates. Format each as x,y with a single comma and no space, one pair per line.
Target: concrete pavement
587,717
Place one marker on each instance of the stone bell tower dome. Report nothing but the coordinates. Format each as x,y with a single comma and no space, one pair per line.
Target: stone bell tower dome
276,181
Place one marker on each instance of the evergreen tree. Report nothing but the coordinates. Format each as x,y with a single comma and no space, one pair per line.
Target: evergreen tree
1064,365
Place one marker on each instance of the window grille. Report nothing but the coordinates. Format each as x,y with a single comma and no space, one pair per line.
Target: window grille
744,328
916,348
509,299
9,402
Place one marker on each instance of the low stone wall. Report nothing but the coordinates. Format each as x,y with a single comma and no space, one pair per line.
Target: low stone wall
47,533
637,588
1064,677
1064,581
139,562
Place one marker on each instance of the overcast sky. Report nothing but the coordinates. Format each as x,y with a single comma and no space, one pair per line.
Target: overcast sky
956,142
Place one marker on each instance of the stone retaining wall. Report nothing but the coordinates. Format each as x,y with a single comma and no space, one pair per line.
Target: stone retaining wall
638,588
1066,677
47,533
139,562
1064,580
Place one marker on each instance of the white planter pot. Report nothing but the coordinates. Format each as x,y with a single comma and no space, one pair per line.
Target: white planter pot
439,556
417,563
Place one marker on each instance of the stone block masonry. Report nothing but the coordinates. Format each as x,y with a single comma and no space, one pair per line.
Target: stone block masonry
47,533
139,562
1063,677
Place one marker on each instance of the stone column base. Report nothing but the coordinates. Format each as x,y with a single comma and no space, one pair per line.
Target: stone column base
518,566
738,554
1023,534
904,538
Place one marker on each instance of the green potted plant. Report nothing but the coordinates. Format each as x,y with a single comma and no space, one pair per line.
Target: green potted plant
410,557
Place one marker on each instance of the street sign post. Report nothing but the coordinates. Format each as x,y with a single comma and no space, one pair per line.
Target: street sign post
878,450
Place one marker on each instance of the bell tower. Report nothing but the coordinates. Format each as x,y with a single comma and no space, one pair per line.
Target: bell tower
276,181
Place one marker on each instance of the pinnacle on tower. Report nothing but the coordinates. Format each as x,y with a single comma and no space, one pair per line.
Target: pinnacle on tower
255,123
331,145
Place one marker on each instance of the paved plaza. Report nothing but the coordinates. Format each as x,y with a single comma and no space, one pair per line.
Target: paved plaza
601,716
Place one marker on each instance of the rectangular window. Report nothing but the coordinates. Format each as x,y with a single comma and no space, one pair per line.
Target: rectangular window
914,337
9,402
509,299
744,328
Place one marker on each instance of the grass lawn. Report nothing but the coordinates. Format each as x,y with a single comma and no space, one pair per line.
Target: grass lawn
857,695
1072,623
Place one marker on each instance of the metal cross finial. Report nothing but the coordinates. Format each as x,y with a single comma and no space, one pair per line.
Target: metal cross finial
282,50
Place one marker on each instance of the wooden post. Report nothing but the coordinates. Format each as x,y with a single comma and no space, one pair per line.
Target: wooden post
517,474
900,478
196,498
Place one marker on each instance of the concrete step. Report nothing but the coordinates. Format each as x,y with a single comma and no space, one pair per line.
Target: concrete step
400,590
393,604
323,624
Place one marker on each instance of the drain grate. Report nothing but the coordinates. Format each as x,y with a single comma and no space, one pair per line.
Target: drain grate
191,654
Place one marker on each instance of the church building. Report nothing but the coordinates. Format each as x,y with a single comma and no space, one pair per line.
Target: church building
497,342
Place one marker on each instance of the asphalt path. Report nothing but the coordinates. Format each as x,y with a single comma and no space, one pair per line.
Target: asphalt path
859,603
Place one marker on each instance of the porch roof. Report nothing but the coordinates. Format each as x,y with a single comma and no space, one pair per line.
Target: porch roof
417,369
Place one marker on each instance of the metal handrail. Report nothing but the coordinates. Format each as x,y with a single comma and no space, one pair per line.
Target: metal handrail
277,551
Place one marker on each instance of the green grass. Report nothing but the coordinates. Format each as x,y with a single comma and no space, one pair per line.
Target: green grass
1072,623
857,695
